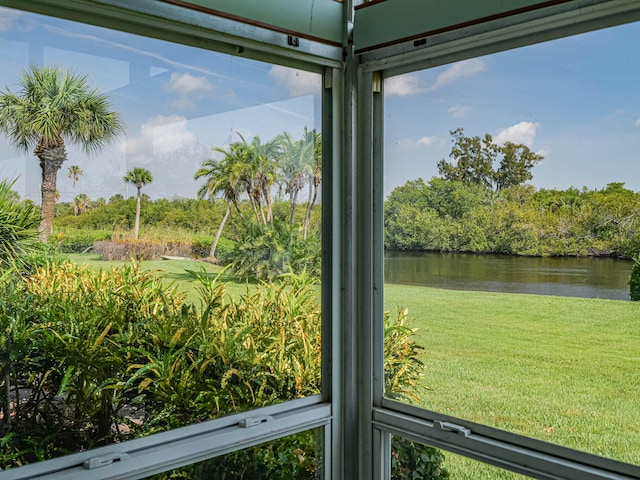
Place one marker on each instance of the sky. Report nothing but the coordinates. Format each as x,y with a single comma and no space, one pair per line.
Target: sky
576,101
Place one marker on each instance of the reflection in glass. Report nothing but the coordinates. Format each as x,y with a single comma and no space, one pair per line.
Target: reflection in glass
219,159
527,154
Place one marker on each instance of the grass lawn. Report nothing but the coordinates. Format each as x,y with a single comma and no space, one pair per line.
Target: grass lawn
560,369
172,271
564,370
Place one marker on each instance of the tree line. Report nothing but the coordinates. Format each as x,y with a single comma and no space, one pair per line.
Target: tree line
450,216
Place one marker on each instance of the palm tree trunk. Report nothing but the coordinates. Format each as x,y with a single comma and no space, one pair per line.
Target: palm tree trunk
292,204
307,218
51,160
137,225
212,253
267,196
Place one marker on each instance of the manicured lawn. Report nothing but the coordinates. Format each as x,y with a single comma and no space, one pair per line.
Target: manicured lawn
564,370
172,271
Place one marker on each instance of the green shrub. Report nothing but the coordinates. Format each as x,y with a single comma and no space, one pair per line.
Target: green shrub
105,356
634,280
77,240
18,227
273,250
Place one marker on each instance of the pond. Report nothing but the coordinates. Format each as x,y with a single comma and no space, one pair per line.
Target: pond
567,276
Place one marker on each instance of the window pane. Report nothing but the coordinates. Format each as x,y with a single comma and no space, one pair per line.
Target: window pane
409,458
296,457
202,166
512,214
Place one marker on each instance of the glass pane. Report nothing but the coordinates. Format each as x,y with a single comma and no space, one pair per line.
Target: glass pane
203,167
296,457
410,458
512,215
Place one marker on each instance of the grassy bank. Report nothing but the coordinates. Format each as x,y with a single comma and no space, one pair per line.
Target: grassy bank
563,370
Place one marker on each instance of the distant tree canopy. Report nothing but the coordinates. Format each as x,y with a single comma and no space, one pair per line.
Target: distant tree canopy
450,216
480,161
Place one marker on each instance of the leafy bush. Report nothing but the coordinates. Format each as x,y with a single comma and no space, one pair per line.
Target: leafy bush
634,280
273,250
18,227
77,240
100,357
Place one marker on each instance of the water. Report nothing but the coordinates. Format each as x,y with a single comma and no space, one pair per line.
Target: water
572,277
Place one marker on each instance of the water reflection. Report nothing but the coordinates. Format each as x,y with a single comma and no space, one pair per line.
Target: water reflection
572,277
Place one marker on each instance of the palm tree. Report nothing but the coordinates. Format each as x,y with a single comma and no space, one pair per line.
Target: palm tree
55,106
139,177
258,169
220,178
315,177
80,203
74,172
295,163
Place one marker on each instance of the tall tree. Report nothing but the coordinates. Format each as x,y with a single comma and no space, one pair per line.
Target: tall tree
219,179
80,203
262,166
295,163
55,106
480,161
315,176
74,172
139,177
472,159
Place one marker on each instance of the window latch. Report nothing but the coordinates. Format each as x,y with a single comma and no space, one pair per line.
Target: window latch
452,427
253,421
97,462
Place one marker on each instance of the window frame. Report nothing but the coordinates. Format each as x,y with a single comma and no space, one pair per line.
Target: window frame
142,457
356,418
506,450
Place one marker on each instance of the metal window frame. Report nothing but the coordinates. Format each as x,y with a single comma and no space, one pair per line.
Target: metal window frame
357,420
139,458
506,450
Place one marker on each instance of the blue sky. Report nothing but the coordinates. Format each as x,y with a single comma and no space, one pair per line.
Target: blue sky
575,100
177,102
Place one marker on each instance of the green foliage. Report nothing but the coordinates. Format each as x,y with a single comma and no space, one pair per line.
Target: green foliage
54,104
103,356
18,227
413,461
77,240
273,250
481,162
449,216
634,280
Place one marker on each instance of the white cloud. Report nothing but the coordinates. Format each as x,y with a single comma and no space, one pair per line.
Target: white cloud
297,82
406,144
459,111
158,136
189,88
7,19
427,140
402,85
185,83
638,123
455,72
409,84
523,132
